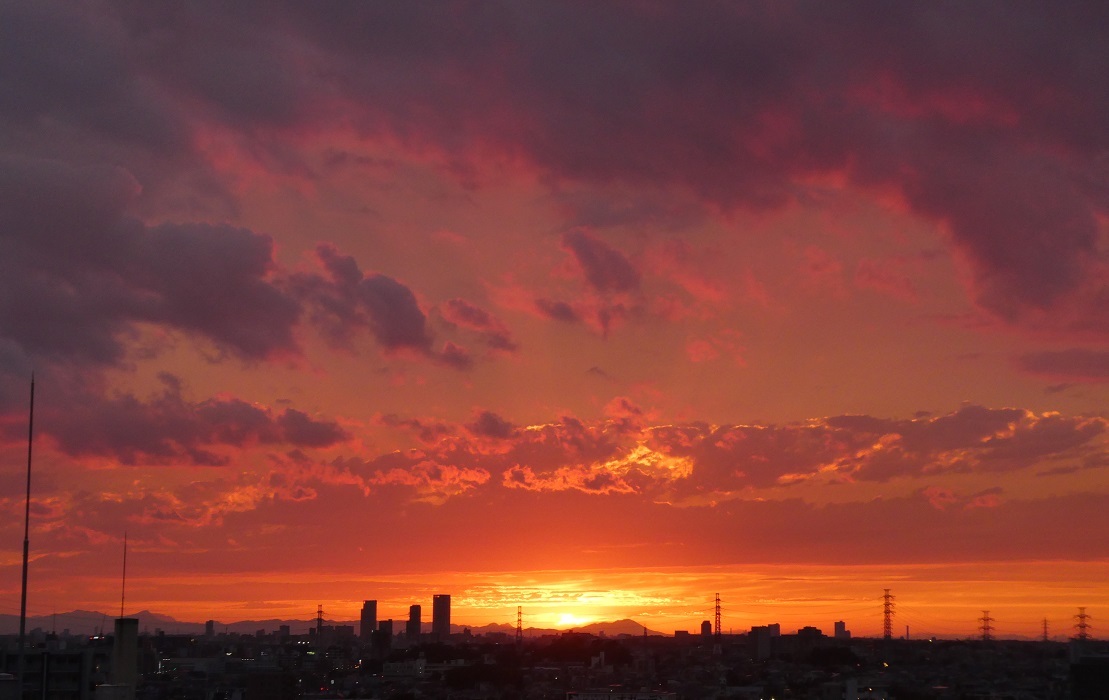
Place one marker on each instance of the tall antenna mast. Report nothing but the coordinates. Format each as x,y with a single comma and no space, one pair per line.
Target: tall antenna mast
123,587
26,537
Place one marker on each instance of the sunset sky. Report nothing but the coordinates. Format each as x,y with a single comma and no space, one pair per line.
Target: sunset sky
599,309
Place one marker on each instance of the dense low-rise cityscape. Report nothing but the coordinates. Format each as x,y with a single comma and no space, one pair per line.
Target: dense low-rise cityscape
413,659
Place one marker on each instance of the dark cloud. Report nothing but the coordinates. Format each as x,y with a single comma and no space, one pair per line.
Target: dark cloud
429,432
605,268
492,331
986,118
168,429
983,117
557,310
77,275
1074,363
344,301
348,300
67,65
455,356
301,430
489,424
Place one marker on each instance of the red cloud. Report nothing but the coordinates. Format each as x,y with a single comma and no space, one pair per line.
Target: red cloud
696,464
430,481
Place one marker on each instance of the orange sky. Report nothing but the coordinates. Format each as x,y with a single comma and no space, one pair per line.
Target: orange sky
598,310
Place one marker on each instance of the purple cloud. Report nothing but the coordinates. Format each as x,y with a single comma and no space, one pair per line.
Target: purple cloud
605,268
345,301
492,331
78,274
557,310
168,429
985,118
1074,363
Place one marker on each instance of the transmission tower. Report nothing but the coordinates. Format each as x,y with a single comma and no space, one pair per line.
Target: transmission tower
1045,630
717,627
319,622
986,628
519,625
887,615
1083,625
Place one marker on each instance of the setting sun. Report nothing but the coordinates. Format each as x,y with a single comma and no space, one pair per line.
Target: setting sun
356,309
572,620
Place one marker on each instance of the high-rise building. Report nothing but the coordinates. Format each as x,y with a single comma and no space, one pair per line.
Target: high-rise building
210,628
383,637
412,629
706,629
441,616
369,620
125,655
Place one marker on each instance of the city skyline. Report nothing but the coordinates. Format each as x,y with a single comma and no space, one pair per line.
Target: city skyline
864,616
594,309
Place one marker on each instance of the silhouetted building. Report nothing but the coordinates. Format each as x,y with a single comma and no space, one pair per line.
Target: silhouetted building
344,632
706,629
1089,670
441,616
210,628
383,637
125,655
759,645
369,620
841,630
53,670
412,629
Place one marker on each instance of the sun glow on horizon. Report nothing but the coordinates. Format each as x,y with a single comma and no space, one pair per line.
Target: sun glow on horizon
941,600
572,620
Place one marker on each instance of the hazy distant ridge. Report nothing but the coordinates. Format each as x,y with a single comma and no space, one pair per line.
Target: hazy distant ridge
87,622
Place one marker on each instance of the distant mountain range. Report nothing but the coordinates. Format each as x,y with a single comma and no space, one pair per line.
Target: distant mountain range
87,622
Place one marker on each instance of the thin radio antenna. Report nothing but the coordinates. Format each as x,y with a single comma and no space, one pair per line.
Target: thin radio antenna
26,537
123,588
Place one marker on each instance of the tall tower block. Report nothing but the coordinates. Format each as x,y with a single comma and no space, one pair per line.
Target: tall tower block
441,616
368,622
125,655
412,627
